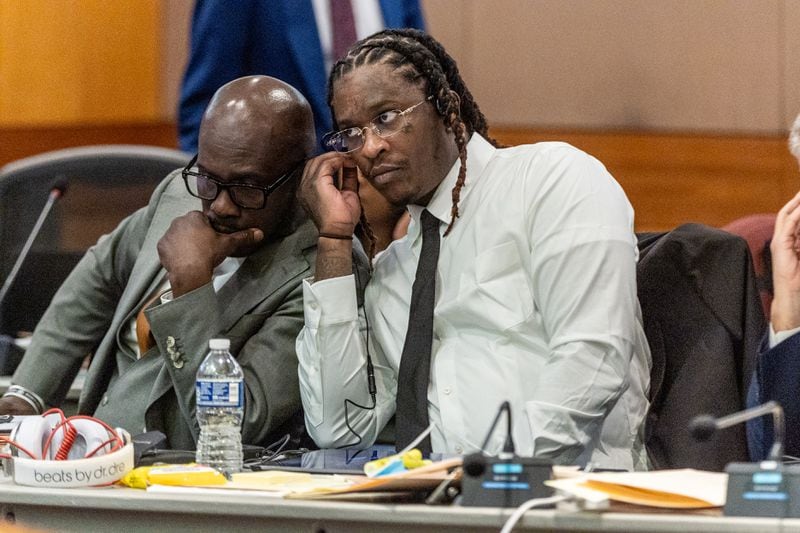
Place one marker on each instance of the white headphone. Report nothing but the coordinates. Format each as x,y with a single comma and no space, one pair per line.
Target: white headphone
54,451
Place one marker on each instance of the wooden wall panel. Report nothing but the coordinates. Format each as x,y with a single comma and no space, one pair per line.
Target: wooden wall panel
672,179
669,178
18,142
78,61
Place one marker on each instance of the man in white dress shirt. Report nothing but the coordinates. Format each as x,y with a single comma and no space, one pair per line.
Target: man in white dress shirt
535,284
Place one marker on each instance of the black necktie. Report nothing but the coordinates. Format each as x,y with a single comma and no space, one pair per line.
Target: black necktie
415,363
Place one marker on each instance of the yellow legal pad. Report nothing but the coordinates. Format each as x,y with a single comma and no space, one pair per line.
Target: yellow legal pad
288,482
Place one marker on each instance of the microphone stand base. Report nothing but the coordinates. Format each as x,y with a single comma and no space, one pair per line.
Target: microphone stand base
507,482
767,489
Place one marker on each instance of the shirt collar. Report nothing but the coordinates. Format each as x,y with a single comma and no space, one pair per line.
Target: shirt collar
479,152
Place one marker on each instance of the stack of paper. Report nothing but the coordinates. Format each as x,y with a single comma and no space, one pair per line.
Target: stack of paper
274,482
669,489
307,485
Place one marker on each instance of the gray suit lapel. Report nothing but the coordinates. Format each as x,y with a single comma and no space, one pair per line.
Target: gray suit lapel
257,279
172,202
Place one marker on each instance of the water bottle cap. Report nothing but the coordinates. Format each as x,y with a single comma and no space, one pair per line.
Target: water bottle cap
219,344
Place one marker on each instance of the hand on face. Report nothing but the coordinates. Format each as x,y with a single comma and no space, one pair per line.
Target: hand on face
785,249
191,249
333,210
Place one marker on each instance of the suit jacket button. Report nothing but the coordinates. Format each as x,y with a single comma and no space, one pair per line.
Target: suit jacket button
177,363
170,342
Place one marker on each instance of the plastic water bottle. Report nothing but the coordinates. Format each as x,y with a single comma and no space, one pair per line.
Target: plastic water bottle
220,407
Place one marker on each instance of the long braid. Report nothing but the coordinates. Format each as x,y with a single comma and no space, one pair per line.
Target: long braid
417,56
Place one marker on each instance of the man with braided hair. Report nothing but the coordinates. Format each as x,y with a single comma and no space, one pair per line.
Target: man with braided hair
533,297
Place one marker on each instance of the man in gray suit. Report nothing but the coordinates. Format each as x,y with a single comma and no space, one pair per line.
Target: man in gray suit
220,251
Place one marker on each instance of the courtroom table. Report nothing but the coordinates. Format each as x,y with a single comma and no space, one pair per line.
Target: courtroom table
113,508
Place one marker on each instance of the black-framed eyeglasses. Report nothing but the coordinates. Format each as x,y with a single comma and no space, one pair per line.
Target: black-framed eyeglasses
244,195
384,125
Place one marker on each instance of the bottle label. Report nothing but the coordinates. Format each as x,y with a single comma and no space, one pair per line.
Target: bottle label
222,393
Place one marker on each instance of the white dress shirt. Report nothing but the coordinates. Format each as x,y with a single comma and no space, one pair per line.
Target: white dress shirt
535,304
777,337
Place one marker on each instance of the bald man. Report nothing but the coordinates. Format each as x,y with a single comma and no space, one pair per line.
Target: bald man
219,251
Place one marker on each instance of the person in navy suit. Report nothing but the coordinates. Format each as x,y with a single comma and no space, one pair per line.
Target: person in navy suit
777,375
286,39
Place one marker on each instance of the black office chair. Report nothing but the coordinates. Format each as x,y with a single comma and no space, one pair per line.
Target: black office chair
104,185
703,320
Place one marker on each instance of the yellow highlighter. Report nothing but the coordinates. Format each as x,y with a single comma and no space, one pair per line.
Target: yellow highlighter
188,475
395,464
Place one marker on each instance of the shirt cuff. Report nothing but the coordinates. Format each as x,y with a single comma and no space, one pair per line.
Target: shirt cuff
777,338
33,399
329,301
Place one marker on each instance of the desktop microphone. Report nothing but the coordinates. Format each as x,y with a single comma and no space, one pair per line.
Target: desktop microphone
506,480
475,463
768,488
703,427
57,191
10,354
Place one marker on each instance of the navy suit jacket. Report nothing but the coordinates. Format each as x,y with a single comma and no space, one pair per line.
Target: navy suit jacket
777,378
277,38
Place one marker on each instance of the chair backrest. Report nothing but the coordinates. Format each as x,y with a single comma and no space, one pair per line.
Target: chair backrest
104,184
757,230
703,321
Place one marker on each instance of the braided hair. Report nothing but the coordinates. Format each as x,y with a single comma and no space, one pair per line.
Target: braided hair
418,56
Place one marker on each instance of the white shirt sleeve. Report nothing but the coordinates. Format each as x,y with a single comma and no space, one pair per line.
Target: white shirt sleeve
332,357
583,258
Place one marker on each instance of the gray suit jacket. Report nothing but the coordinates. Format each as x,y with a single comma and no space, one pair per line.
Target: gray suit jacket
259,309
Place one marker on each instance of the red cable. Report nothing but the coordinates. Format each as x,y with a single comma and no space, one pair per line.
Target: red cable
17,446
70,434
103,445
109,429
60,413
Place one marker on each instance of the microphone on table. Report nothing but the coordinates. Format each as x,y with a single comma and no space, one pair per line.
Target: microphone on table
703,427
9,353
475,463
768,488
506,480
57,191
